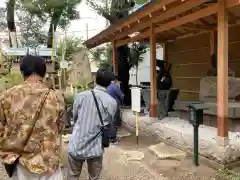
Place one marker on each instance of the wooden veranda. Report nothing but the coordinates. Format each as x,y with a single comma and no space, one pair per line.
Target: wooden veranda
163,21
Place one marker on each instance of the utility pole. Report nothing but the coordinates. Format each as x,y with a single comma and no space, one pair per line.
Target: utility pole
87,30
106,6
64,62
53,57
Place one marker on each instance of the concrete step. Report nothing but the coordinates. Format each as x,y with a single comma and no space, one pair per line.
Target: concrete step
122,133
163,152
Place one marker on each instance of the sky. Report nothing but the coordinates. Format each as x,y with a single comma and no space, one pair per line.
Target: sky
88,17
88,20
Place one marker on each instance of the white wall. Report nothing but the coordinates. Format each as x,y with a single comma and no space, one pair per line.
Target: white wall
144,67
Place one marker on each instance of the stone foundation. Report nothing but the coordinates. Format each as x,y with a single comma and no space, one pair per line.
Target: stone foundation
179,133
211,120
210,114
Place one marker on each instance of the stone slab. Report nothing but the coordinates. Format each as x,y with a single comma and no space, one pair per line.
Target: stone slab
133,155
180,133
163,151
122,133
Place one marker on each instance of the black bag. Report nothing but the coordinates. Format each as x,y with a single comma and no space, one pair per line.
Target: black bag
105,128
10,168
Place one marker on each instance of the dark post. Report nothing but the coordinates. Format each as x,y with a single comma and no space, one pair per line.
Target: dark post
196,119
195,129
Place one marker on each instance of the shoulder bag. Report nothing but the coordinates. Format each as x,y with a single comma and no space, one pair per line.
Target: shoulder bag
10,168
105,129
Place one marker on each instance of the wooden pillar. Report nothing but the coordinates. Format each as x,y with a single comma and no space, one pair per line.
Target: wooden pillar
153,75
222,79
114,57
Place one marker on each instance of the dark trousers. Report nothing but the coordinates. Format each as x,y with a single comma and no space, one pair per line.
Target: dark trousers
94,166
115,124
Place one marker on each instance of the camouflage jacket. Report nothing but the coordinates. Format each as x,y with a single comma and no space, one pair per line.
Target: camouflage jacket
18,106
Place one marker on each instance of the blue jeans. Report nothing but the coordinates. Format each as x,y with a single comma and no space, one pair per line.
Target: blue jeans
114,126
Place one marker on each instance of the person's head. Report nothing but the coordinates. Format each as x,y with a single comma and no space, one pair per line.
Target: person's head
103,77
114,78
33,65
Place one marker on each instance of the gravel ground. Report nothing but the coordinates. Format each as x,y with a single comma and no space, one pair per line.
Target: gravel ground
118,166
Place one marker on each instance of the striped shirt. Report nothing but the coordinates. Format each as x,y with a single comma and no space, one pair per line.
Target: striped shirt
86,141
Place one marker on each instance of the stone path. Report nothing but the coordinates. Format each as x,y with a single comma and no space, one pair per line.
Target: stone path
148,162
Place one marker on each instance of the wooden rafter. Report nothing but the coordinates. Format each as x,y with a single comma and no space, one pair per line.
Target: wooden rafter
183,20
148,9
146,12
171,12
199,27
212,9
204,22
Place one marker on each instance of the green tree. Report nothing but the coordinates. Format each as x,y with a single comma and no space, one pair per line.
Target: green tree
59,13
32,32
103,55
141,1
137,52
114,10
31,27
68,46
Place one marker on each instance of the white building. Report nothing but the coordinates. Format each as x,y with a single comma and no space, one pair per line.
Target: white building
143,74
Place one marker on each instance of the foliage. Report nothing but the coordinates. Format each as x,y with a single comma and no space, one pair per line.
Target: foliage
70,96
68,47
114,10
10,80
3,22
226,174
31,27
59,13
103,55
141,1
137,52
32,31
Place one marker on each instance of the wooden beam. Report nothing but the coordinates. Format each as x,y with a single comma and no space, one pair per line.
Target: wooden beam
134,17
188,18
181,21
204,22
107,35
199,27
222,78
161,17
145,12
153,74
114,57
133,39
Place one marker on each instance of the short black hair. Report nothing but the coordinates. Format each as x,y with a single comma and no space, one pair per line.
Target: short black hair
115,77
103,77
30,65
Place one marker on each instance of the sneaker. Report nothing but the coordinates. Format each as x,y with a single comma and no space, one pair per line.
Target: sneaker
115,142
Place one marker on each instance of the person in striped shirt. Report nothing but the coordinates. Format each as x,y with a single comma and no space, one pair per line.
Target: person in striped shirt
86,141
